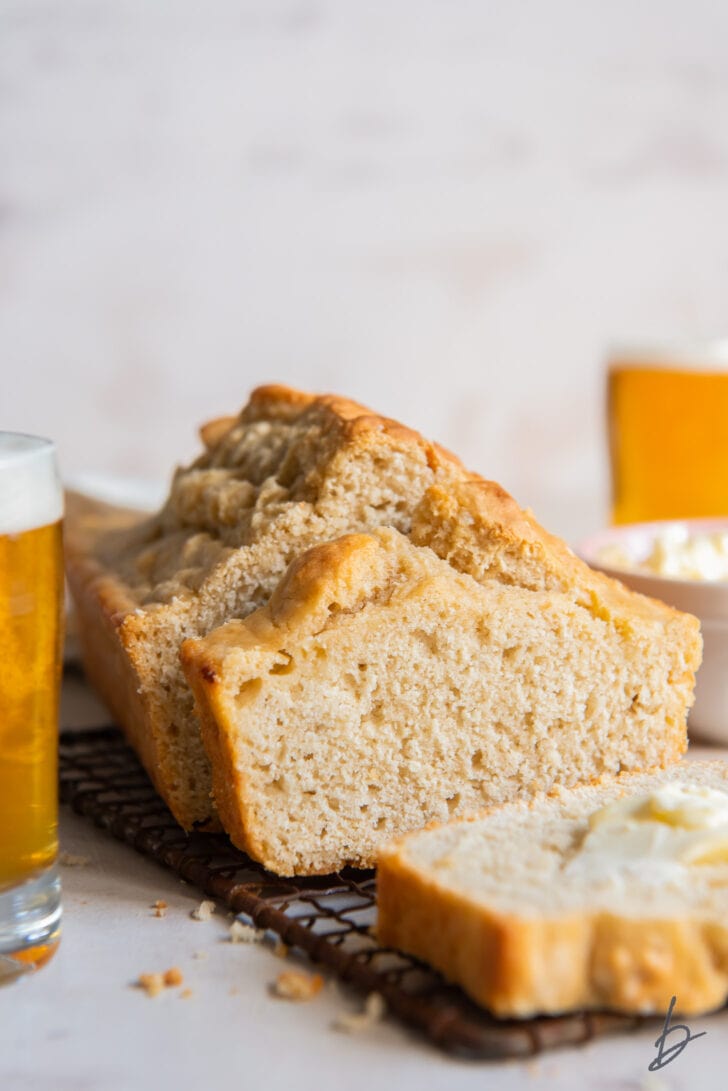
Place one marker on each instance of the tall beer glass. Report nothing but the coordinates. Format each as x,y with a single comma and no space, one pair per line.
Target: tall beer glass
668,431
31,585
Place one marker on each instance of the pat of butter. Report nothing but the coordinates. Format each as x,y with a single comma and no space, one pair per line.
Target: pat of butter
678,824
678,554
690,557
685,806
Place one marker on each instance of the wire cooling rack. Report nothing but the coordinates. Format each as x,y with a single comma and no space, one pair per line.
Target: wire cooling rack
330,918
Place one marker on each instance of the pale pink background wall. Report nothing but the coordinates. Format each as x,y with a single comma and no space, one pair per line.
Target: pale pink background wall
446,210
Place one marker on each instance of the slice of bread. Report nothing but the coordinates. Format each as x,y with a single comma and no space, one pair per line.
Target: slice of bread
290,471
380,689
532,908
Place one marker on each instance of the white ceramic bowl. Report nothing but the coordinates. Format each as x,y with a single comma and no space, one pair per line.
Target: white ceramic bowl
707,599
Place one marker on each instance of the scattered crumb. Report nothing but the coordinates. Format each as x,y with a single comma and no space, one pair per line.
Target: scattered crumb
244,933
151,983
160,908
154,984
203,912
233,990
185,994
374,1011
297,985
200,954
70,859
280,949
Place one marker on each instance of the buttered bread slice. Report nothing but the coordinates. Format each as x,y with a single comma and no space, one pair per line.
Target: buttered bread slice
380,689
610,896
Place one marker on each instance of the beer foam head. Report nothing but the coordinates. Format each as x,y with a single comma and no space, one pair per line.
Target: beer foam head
31,494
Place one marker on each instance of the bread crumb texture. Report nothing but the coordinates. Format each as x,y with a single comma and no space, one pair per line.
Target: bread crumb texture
155,983
203,912
244,933
297,985
375,1008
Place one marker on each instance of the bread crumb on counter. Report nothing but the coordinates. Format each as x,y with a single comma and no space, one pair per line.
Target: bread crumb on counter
281,949
375,1008
185,994
297,985
151,983
154,984
203,911
70,859
245,933
160,908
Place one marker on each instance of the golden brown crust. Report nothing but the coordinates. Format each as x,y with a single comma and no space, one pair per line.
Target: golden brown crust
108,626
205,686
213,430
277,401
353,422
102,605
318,579
493,516
230,788
605,961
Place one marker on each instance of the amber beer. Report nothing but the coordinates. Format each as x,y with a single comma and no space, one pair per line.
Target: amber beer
31,585
668,433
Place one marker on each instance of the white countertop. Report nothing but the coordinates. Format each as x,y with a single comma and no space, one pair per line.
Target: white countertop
79,1023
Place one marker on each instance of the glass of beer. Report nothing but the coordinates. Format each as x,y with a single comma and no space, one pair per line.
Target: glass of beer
668,431
31,586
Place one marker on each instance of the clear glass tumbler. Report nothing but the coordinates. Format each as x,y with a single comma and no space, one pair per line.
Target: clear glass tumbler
31,599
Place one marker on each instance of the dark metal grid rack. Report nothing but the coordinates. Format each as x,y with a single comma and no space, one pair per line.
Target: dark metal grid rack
330,917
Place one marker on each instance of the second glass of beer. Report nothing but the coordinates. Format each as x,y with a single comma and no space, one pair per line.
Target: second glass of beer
668,431
31,586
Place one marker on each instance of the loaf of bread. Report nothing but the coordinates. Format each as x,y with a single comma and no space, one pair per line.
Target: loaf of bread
293,471
609,896
380,689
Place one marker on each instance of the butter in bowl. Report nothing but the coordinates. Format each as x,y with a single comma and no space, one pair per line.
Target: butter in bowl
685,564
